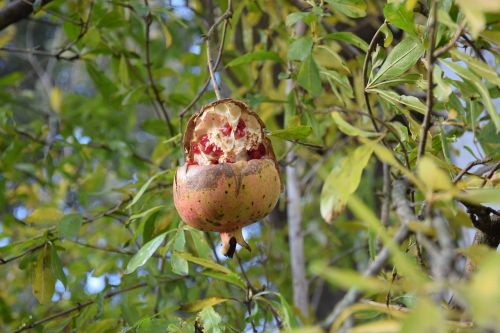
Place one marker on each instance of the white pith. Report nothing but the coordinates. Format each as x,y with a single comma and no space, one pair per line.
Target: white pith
233,149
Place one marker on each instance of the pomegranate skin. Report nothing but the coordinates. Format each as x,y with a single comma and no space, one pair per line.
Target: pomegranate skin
226,197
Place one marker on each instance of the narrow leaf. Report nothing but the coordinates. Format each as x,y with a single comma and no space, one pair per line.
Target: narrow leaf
203,303
309,77
253,56
144,253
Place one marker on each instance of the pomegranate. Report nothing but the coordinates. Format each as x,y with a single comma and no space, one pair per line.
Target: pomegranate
230,178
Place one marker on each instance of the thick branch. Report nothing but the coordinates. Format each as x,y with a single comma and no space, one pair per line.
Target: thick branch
16,11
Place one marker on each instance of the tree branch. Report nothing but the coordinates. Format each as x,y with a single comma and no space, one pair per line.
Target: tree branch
224,18
430,84
16,11
83,305
148,19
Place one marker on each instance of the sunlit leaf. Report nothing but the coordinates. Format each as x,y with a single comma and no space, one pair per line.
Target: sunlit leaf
343,181
254,56
203,303
351,8
400,59
292,133
143,255
42,278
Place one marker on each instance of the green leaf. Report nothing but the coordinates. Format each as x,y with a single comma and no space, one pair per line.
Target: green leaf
481,196
400,59
300,49
398,15
479,67
347,278
204,262
350,38
210,320
179,265
230,277
309,77
292,133
47,214
105,86
480,88
348,129
343,181
293,18
253,56
144,187
69,226
144,253
409,101
123,71
57,268
43,281
424,317
351,8
203,303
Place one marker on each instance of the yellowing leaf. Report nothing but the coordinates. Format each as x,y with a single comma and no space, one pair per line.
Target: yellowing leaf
386,326
348,129
203,303
343,181
433,177
425,317
56,99
483,294
167,34
6,35
45,215
43,281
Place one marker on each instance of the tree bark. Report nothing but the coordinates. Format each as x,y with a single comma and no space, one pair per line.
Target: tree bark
16,11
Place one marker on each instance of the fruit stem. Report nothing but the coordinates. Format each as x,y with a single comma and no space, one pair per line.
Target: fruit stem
229,241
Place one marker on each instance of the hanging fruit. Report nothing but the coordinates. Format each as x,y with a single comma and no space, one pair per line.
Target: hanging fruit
230,178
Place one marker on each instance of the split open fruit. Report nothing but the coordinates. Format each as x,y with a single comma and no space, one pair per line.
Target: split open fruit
230,178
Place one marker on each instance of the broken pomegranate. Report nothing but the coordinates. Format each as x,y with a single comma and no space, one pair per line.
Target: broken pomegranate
231,178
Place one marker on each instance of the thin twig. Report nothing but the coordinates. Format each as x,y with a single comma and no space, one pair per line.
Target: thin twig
491,173
105,249
148,19
224,18
371,48
456,35
83,305
430,84
468,167
215,85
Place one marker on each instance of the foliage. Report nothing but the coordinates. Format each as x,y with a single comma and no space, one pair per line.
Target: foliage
94,95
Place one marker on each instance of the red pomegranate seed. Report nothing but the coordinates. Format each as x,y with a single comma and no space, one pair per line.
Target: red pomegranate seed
206,146
226,129
214,162
195,148
240,129
256,154
216,151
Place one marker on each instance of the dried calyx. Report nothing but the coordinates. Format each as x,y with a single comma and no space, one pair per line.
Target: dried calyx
231,177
